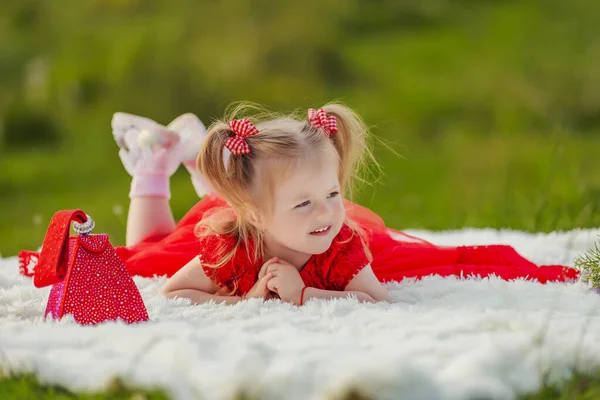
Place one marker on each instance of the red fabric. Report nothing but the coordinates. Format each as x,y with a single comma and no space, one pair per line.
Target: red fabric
331,270
27,262
242,128
320,120
334,269
395,255
239,274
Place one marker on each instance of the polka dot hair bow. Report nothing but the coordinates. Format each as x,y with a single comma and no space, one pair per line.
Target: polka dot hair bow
242,128
320,120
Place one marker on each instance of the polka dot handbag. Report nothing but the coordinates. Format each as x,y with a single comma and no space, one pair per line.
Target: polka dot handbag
89,281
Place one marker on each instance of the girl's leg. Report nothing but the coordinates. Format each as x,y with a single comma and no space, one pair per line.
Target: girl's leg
148,215
149,210
150,154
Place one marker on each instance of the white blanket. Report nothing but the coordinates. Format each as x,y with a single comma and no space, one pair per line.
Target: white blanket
441,339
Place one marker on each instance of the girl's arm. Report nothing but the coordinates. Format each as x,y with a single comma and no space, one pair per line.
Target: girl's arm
314,293
366,281
199,297
191,282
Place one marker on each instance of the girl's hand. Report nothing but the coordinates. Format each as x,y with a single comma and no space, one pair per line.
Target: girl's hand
286,281
260,289
264,269
366,282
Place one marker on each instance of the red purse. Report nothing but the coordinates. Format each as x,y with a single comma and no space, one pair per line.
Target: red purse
89,279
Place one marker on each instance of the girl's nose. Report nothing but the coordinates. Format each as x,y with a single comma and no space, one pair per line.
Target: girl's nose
323,212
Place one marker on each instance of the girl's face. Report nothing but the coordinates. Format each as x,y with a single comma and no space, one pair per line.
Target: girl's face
308,212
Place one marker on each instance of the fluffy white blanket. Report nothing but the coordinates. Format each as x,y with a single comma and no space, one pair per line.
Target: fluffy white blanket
441,339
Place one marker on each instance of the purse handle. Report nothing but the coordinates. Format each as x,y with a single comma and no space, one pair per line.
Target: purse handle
53,261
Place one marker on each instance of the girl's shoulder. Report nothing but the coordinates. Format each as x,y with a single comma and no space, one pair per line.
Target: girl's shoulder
211,244
227,262
345,258
348,242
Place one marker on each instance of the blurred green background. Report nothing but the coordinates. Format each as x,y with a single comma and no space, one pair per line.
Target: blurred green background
493,106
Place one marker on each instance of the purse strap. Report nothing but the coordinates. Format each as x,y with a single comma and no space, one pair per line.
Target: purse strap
52,263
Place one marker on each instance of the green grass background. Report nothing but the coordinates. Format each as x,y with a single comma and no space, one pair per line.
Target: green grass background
493,106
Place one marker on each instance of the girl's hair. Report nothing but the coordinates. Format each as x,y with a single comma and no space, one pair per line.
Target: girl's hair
282,143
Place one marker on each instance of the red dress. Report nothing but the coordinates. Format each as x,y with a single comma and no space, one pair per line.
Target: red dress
331,270
395,256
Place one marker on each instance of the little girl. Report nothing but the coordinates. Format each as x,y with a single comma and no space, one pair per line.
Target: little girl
273,221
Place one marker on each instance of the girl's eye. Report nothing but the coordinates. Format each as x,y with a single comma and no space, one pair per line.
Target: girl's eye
307,202
303,204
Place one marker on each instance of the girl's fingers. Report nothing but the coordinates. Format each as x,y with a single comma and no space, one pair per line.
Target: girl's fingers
272,286
260,285
265,283
265,279
266,265
273,268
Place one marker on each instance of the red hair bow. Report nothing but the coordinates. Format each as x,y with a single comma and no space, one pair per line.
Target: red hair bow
242,128
320,120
